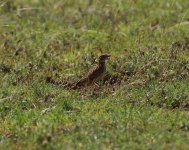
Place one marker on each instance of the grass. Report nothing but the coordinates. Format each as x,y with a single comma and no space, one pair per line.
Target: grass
142,102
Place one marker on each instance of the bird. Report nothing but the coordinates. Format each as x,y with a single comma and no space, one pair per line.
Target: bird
93,75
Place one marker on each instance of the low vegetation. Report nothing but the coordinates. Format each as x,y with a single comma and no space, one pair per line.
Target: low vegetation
47,45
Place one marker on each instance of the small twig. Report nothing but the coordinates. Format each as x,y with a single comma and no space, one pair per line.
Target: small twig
7,25
6,98
28,8
72,111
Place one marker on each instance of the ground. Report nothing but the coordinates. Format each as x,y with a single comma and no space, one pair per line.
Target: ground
143,99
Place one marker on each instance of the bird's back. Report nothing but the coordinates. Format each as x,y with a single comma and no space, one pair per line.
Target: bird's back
91,77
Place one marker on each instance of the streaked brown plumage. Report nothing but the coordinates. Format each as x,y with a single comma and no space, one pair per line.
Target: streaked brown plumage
94,75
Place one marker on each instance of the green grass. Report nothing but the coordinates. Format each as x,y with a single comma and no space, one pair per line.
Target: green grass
142,102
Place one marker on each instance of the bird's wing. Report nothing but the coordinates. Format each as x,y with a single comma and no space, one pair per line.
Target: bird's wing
87,76
92,72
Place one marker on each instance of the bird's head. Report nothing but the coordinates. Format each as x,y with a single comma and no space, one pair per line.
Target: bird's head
104,57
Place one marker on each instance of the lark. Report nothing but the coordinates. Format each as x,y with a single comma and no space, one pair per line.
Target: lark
93,75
